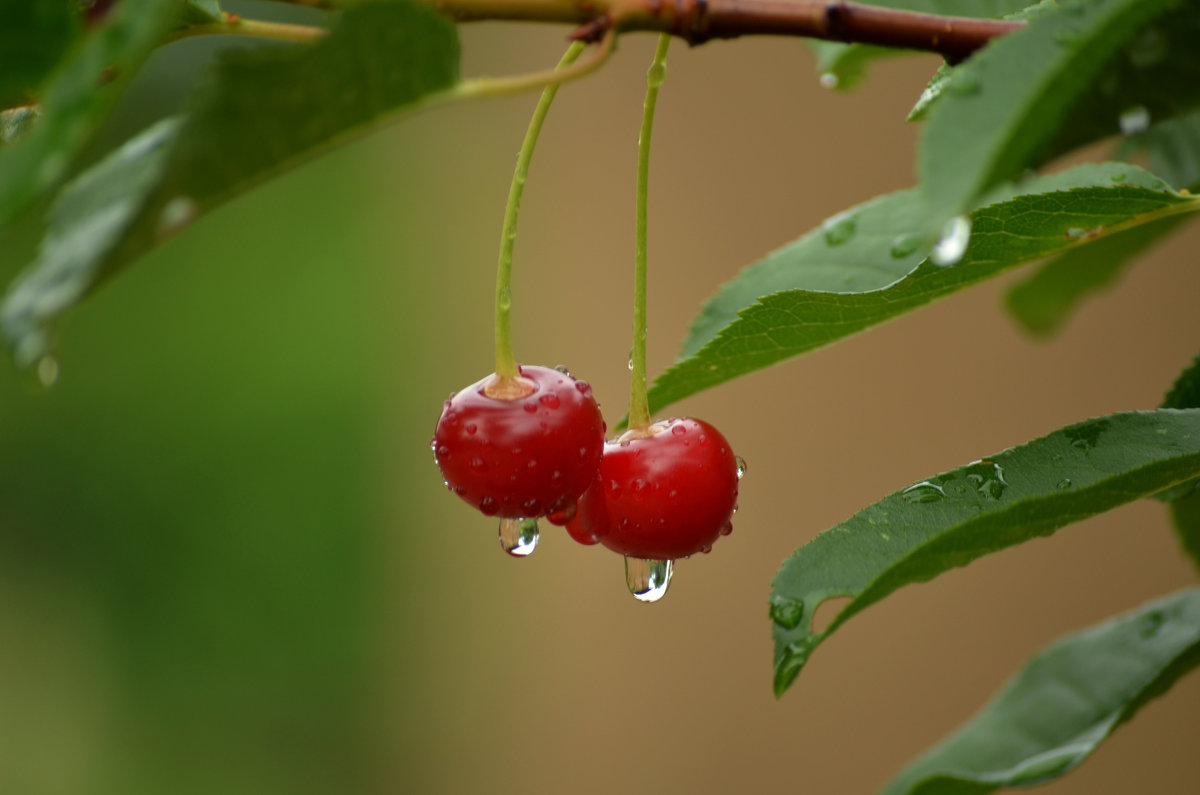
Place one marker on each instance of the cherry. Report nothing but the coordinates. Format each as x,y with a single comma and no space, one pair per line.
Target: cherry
663,493
522,447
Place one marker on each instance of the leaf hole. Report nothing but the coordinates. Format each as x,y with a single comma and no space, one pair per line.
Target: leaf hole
827,611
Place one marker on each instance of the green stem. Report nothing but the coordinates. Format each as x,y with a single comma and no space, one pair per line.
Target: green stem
233,25
506,363
639,406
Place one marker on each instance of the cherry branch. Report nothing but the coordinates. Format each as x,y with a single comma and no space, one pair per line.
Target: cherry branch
698,21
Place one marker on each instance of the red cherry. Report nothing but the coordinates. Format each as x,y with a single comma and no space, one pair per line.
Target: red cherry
664,493
520,448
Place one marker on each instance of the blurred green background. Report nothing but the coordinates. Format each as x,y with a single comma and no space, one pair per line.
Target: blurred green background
228,565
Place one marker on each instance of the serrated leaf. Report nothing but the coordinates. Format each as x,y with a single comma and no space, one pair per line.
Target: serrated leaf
261,111
1088,70
79,94
954,518
34,34
846,63
811,292
1065,701
1044,302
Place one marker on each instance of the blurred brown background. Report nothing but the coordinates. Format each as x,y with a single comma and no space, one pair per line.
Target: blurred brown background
287,358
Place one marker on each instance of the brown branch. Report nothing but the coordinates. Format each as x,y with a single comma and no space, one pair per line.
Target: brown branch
697,21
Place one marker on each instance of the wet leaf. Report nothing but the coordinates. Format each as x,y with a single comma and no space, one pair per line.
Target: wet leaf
1090,69
291,102
1174,150
951,519
1067,700
811,293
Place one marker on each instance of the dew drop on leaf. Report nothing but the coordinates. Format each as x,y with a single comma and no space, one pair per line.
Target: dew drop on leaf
923,492
519,537
905,245
647,580
786,612
840,229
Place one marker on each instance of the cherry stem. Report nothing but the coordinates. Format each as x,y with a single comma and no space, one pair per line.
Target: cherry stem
639,405
506,363
234,25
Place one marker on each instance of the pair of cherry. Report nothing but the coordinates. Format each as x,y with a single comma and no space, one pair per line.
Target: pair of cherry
524,447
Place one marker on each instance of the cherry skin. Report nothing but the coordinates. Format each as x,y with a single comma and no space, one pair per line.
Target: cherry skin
663,493
521,448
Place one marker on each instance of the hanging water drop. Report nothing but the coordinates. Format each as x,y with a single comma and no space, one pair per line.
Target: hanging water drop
647,579
741,466
786,612
829,80
955,237
519,537
631,360
1134,120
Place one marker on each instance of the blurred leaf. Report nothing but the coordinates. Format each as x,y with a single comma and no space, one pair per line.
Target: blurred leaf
1086,71
34,34
82,89
201,12
951,519
847,63
1043,302
1174,149
1066,701
263,110
858,269
1185,514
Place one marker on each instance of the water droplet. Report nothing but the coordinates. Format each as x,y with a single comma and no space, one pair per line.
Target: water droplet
1085,435
1065,483
565,515
1134,120
1151,623
505,301
488,506
613,488
839,229
786,612
678,430
471,428
1118,177
741,466
442,452
562,368
519,537
176,215
647,579
1079,233
964,84
549,400
987,477
905,245
829,80
955,237
529,407
478,464
584,388
727,528
923,492
47,371
656,74
631,359
532,506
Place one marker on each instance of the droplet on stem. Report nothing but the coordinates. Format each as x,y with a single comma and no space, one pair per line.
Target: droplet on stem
519,537
647,579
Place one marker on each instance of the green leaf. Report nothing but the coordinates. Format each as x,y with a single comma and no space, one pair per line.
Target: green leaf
860,269
1044,301
842,65
951,519
262,111
1066,701
1086,71
1185,513
34,34
82,90
201,12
